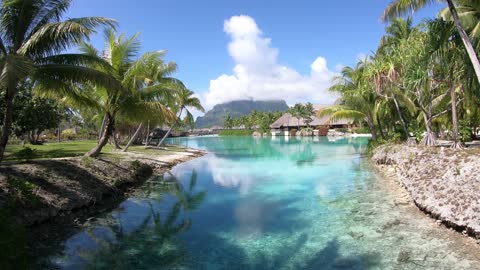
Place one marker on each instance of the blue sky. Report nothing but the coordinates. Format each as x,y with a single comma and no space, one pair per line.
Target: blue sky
293,33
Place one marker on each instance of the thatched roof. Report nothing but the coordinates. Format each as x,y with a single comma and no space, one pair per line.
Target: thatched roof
287,120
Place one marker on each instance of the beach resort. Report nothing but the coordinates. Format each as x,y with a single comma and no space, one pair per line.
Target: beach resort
239,135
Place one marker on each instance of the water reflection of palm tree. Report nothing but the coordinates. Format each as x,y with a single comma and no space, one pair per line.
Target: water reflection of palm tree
152,243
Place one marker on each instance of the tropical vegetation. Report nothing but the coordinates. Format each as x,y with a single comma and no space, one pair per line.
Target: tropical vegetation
421,84
50,93
255,120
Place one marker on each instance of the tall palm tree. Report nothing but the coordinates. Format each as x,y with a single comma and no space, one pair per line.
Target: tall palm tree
32,39
184,100
428,66
400,7
446,48
388,65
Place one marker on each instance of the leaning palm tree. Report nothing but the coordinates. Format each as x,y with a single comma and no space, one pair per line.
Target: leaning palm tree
400,7
469,14
142,84
157,87
32,39
130,97
184,100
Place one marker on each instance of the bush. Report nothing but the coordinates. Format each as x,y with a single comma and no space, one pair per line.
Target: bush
306,132
236,132
69,134
361,130
343,130
50,136
26,154
464,132
24,189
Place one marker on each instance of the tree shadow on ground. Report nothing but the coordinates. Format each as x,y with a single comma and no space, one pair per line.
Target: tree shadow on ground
60,178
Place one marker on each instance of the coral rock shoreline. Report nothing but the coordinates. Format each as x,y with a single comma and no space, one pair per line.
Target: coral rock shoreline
443,182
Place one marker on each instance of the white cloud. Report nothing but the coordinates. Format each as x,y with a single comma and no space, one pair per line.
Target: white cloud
258,75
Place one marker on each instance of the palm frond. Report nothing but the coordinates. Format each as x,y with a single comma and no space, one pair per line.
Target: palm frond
398,8
75,74
84,60
53,38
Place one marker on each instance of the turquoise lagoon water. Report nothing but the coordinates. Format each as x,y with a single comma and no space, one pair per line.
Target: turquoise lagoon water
266,203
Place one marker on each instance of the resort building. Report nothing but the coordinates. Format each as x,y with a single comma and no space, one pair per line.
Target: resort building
288,125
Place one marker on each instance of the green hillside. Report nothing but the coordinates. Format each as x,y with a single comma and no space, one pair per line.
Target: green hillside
237,108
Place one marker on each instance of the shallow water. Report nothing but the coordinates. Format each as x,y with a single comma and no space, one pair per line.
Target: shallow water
261,203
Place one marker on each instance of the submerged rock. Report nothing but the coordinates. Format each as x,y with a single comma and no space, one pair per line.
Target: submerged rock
403,256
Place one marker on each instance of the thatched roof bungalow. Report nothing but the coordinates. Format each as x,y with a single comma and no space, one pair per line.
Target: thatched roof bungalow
287,122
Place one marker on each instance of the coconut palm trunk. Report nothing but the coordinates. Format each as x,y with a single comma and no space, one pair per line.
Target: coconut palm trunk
371,127
7,123
102,128
465,39
160,143
429,139
107,133
456,143
400,115
380,127
115,141
134,137
148,133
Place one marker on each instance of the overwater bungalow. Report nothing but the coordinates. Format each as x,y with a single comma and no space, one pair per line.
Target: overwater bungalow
288,125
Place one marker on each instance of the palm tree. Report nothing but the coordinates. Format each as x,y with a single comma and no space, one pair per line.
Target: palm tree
297,111
388,65
358,97
400,7
157,87
447,48
435,70
33,38
307,113
184,100
228,123
130,97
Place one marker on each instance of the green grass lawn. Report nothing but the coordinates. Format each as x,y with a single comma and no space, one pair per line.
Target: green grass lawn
78,148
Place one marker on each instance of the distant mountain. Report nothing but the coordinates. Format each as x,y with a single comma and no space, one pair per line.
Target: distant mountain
237,108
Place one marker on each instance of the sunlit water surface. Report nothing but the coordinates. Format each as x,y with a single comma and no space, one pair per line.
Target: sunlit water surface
265,203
